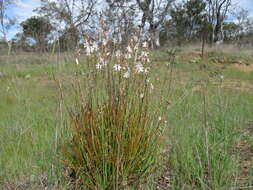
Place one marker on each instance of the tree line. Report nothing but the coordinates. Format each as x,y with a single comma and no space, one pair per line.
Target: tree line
66,24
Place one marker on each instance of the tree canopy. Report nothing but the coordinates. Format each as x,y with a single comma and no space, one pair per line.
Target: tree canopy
37,29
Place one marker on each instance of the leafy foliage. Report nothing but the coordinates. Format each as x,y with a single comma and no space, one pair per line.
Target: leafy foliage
38,29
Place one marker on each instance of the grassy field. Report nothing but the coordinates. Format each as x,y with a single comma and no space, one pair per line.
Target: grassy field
209,135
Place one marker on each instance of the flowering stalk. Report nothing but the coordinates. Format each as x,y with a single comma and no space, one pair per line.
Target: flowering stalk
116,136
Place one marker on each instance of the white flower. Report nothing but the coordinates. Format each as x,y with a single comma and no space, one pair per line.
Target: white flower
77,61
146,70
136,47
115,41
117,67
129,49
145,44
222,77
118,53
135,38
98,66
104,42
126,74
139,68
159,118
144,54
128,56
151,86
102,62
95,46
88,50
141,95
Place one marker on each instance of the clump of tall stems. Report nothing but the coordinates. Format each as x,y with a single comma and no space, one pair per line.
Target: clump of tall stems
116,127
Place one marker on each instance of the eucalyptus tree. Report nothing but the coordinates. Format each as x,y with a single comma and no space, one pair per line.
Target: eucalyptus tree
70,16
6,22
217,12
37,29
154,13
187,19
121,18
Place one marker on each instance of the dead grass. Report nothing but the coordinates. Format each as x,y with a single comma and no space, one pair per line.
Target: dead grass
243,67
245,150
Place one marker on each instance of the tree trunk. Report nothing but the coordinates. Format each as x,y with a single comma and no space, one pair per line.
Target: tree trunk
219,34
155,37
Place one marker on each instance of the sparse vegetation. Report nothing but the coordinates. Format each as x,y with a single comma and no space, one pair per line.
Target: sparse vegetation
126,95
206,143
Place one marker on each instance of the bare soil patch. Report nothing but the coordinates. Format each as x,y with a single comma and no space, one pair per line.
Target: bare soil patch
243,67
245,151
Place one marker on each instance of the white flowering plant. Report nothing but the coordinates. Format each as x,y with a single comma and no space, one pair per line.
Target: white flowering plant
116,132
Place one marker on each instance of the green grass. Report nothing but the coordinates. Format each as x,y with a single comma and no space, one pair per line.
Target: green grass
200,138
238,75
201,153
28,127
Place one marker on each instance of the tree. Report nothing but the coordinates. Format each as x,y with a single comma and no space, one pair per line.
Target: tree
71,14
179,22
154,12
231,31
38,29
243,20
245,26
6,22
195,10
217,12
187,19
120,17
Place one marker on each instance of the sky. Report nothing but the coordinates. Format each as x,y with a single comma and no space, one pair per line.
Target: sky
24,9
